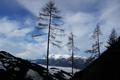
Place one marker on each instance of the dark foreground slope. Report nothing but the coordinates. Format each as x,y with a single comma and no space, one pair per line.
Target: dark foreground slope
13,68
106,67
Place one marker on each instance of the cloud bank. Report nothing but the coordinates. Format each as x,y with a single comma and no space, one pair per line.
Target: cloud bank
80,17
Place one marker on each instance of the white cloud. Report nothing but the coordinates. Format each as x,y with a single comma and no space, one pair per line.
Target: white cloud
33,6
14,42
81,24
76,18
20,32
7,26
23,49
11,28
10,46
32,51
110,15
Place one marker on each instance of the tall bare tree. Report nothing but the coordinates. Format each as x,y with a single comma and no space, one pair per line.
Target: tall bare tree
72,48
113,37
51,20
95,51
96,36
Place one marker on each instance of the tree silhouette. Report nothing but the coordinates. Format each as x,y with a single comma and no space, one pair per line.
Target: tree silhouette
49,19
72,48
113,37
95,51
96,36
92,51
101,68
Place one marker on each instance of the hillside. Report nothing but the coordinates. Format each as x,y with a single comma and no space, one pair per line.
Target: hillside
106,67
13,68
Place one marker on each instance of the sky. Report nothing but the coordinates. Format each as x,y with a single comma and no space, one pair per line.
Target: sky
19,17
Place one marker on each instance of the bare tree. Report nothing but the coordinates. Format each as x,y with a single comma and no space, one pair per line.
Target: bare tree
96,36
113,37
95,51
72,48
49,19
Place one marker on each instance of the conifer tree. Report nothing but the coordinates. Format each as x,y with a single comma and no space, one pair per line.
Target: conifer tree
113,37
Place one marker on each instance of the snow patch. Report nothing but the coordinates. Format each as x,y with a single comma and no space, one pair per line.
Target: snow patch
33,75
1,66
65,56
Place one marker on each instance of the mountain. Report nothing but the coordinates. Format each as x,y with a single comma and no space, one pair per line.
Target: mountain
13,68
106,67
63,61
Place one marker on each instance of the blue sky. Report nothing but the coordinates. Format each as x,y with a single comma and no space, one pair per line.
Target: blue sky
18,18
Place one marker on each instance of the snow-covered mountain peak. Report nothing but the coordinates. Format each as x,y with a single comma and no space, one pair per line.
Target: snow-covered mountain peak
59,56
65,56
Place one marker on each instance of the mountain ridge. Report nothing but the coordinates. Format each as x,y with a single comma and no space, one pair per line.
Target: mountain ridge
14,68
63,61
